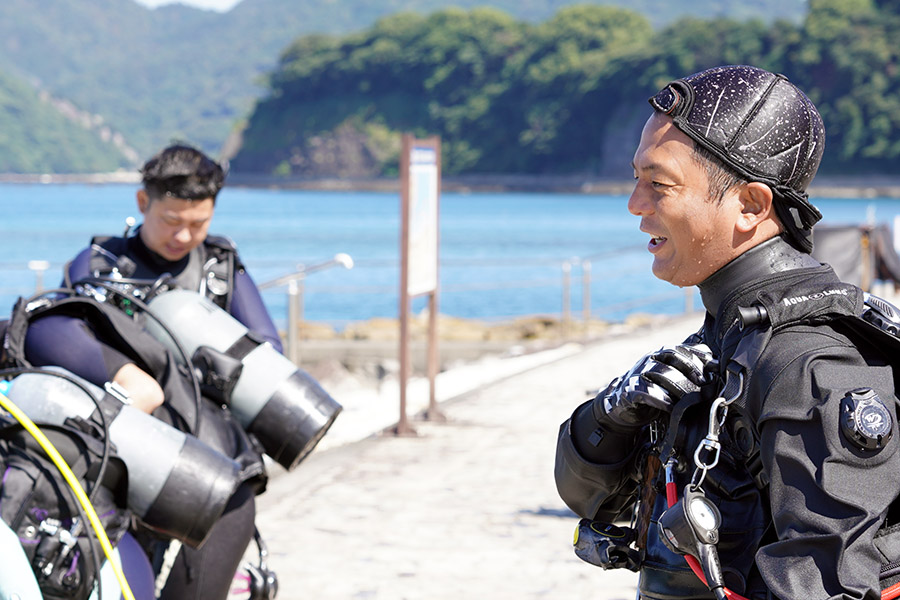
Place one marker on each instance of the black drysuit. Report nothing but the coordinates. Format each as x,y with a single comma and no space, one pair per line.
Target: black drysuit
801,500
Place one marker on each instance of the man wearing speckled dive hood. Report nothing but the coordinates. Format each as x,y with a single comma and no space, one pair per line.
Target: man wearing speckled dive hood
760,453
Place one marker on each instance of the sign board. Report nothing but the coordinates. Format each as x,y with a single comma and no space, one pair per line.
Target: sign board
423,220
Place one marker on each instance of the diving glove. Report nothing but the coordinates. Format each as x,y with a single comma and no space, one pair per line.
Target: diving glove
606,546
653,385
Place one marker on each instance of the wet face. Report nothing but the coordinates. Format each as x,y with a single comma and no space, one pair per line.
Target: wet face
173,227
691,235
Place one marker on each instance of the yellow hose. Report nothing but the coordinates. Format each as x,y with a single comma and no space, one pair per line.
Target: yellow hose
70,478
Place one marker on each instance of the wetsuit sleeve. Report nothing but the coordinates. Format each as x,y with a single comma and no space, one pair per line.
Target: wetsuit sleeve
596,478
80,266
248,308
70,343
828,497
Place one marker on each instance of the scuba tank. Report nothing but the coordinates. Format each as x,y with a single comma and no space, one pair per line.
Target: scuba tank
279,403
177,485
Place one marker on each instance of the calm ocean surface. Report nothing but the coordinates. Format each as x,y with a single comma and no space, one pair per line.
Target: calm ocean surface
502,254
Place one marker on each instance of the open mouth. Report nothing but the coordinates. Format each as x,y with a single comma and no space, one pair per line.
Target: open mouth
656,241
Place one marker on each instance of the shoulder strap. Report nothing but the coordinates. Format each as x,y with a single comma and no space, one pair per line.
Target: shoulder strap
219,268
815,298
105,250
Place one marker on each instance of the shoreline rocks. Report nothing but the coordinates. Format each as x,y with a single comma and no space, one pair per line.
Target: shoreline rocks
367,352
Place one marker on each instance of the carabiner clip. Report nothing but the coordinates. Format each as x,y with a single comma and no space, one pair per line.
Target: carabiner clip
713,447
716,423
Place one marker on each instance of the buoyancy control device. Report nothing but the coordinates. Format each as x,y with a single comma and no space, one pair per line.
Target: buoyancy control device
273,399
177,485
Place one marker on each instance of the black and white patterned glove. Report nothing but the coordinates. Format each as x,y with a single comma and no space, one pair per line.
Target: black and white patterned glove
653,385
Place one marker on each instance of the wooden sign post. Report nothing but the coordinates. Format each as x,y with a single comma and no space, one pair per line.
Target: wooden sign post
420,180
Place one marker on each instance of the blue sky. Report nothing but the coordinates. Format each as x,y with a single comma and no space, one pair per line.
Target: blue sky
220,5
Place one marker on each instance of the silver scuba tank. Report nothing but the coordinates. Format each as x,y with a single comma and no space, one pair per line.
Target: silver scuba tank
177,485
273,399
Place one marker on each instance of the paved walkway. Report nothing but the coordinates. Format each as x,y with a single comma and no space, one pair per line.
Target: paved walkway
466,509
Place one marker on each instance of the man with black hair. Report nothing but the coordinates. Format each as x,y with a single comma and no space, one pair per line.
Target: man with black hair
764,447
177,201
171,246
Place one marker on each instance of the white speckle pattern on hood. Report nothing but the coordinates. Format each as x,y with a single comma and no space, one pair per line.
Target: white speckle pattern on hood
759,124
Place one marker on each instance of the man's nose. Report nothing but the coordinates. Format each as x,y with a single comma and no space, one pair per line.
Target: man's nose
183,235
637,202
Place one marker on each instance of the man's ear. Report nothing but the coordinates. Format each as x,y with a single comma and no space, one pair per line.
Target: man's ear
756,206
143,201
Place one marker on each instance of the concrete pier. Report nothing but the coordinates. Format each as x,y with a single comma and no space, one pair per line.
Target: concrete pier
465,509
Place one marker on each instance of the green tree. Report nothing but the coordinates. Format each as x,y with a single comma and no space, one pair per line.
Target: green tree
564,86
846,58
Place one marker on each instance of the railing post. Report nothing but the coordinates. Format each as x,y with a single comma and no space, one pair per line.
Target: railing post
295,314
38,266
566,298
586,293
295,282
688,300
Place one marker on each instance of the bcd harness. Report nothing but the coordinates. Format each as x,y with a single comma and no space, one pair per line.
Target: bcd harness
210,269
113,304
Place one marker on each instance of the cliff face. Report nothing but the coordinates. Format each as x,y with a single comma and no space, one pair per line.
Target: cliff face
350,150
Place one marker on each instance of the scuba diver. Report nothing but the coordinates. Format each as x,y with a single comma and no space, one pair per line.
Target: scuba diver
100,331
759,457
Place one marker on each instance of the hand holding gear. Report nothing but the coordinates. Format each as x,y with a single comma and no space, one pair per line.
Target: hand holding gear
606,546
653,385
680,369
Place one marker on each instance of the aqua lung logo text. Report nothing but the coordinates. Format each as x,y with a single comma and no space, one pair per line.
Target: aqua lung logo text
815,296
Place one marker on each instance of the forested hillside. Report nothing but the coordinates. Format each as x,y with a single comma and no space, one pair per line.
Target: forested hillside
179,72
564,96
36,137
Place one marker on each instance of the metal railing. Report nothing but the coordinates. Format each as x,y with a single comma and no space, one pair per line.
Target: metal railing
544,277
586,266
294,282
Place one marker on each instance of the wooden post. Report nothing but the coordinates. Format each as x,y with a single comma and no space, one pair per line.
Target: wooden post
434,412
420,175
403,427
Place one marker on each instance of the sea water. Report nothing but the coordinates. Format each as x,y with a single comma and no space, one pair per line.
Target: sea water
502,255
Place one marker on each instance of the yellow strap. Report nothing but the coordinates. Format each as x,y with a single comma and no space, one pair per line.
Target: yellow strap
73,482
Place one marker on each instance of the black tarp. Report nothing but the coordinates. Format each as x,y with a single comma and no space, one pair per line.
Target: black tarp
859,254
